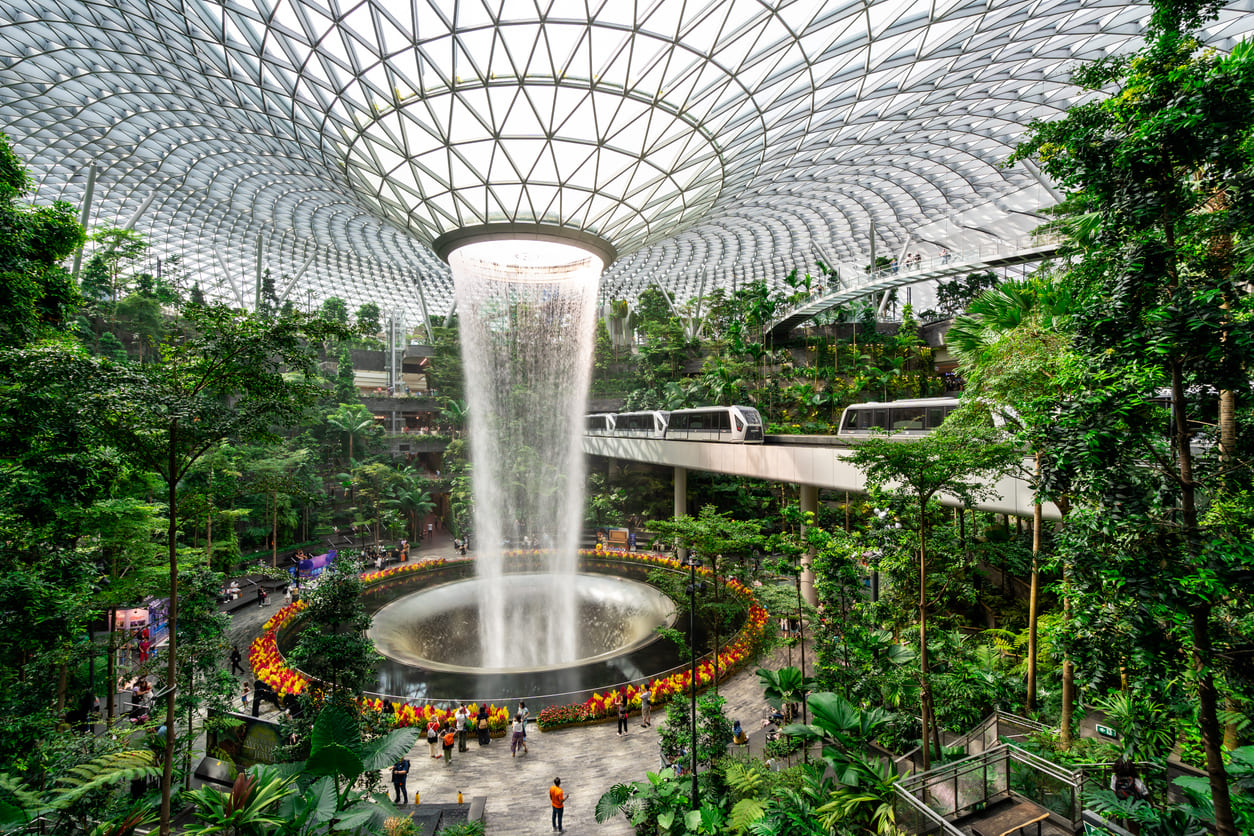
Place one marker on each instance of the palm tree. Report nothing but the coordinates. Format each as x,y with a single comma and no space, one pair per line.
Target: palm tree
1008,345
455,412
352,420
411,498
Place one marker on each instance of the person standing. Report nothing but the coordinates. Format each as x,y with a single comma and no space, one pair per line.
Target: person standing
621,704
524,713
235,660
516,736
461,718
400,771
482,725
243,697
646,706
433,736
450,737
558,798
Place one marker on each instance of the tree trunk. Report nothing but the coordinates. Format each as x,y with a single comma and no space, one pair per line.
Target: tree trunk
1207,696
1068,667
274,531
1227,426
61,678
925,690
1207,715
111,672
209,536
1032,596
1232,735
167,766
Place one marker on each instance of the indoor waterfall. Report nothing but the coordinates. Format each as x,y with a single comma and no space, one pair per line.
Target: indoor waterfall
527,328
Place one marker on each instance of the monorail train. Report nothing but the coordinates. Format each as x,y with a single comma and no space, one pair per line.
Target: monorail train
740,424
917,416
735,424
650,424
599,423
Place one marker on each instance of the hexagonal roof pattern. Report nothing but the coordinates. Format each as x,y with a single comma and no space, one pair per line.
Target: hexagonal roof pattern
708,143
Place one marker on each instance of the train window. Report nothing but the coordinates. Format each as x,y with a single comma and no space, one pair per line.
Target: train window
679,422
908,418
724,421
881,419
935,417
739,424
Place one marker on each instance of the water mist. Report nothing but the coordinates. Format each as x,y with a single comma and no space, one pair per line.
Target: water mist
527,327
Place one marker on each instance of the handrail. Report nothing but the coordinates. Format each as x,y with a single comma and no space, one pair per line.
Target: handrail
926,812
1053,770
953,261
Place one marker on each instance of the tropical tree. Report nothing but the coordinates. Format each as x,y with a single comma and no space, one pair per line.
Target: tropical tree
232,375
355,421
865,796
960,463
39,292
411,497
368,318
1156,185
334,648
329,796
1011,345
715,537
455,413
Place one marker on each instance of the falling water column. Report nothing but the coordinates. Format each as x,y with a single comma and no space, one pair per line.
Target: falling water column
527,327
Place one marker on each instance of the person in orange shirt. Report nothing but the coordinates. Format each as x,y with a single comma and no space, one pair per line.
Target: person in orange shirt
559,798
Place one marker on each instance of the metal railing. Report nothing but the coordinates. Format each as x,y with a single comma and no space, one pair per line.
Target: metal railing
955,790
972,257
914,817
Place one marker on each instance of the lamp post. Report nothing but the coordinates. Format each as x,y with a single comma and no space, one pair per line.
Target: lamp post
693,562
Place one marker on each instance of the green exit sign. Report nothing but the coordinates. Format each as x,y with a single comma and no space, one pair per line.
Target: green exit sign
1107,731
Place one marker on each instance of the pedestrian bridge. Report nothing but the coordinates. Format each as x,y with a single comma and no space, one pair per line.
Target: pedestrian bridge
854,282
810,461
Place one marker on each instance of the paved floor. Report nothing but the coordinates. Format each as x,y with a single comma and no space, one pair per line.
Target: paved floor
589,759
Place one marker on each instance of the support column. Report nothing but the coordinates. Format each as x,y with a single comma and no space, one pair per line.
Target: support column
809,502
681,501
89,192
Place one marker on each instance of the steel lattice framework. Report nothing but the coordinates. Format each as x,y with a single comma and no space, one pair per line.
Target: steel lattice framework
708,143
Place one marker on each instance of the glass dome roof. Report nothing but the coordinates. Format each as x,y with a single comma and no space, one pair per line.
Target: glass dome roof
336,142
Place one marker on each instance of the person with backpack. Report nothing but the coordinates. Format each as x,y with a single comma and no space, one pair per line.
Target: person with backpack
433,736
1126,783
450,738
400,771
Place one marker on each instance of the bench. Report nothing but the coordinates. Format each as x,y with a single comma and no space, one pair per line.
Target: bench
1012,820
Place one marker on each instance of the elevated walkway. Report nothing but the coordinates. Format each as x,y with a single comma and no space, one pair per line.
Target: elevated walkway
820,461
854,282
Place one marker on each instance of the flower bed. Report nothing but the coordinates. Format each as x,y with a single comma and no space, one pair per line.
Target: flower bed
600,706
270,667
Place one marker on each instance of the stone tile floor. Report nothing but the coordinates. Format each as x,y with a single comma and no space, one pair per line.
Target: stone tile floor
589,759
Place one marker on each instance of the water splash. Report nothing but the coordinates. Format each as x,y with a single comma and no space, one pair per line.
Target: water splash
526,338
